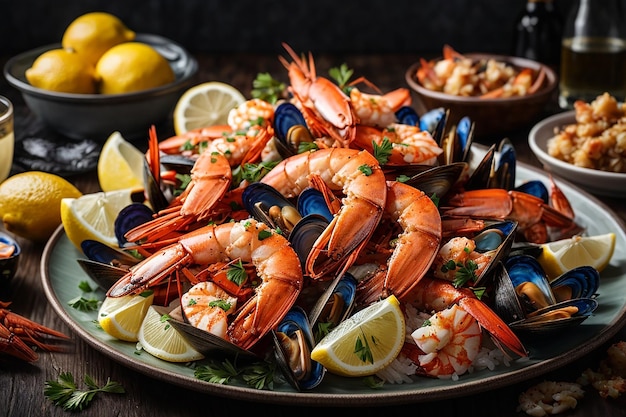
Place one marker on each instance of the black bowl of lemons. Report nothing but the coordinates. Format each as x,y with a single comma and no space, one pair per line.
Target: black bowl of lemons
102,78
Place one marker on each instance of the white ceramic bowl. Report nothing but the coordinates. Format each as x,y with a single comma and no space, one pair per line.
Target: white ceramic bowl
592,180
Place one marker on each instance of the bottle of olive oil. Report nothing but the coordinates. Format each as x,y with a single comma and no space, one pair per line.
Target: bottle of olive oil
538,32
593,52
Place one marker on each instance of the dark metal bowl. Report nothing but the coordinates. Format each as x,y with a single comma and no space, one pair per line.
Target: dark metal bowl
96,116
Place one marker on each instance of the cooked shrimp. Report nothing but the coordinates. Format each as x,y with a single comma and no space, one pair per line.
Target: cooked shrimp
207,306
450,341
456,254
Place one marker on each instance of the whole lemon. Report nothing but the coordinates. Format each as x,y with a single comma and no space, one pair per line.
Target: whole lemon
132,66
30,203
92,34
62,71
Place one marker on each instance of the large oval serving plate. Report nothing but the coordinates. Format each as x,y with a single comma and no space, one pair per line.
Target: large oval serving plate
61,276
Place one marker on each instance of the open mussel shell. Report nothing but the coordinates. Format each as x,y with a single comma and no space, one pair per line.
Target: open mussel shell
481,175
434,121
407,115
209,344
580,282
550,319
128,218
311,201
438,180
336,302
305,233
504,174
456,144
267,205
536,188
293,342
524,298
289,129
104,275
105,265
495,239
529,282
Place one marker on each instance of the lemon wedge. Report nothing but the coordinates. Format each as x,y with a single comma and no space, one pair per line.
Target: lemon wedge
206,104
366,342
92,216
121,317
120,164
562,255
161,339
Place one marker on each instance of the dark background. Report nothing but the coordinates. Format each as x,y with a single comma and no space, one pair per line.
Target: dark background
321,26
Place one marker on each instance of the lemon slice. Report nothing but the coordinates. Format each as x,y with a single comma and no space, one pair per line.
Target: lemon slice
122,317
205,104
161,339
366,342
562,255
120,164
92,216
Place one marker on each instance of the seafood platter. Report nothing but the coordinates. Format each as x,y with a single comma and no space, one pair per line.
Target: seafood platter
499,93
584,149
378,206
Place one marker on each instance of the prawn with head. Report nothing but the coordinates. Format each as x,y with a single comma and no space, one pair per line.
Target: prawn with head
277,266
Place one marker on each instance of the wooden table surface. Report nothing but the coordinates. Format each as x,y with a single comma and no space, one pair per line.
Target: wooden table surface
22,384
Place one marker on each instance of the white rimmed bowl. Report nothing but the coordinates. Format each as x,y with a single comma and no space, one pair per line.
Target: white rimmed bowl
592,180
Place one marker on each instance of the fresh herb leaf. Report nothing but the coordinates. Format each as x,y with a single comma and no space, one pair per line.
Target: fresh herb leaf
216,372
307,147
402,178
84,304
224,305
322,330
479,292
252,172
237,273
85,287
362,350
184,180
366,170
373,382
65,393
382,152
259,375
264,234
342,75
265,87
465,273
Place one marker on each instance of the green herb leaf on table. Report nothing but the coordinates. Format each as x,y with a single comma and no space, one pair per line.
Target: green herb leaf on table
65,393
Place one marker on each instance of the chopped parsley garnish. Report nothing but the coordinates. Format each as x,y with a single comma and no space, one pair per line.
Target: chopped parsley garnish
366,170
382,152
236,273
265,87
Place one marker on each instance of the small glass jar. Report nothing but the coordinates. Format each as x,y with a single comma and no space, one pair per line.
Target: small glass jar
593,52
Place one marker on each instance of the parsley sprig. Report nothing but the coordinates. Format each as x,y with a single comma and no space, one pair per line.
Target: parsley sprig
342,75
265,87
65,393
382,152
259,375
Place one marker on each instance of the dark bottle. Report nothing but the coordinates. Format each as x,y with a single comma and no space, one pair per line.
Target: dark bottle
538,32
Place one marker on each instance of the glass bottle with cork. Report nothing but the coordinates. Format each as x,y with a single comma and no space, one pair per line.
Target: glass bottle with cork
593,54
538,32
